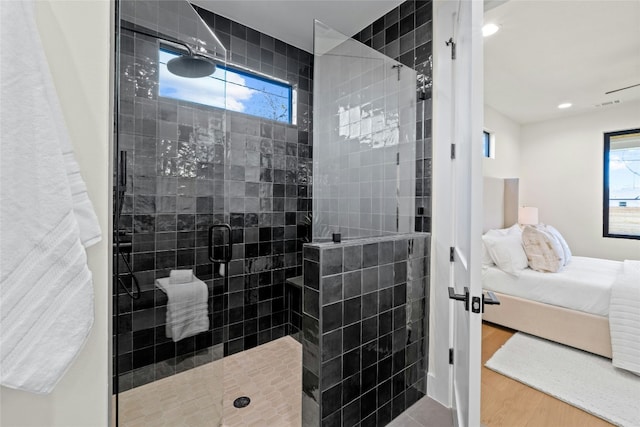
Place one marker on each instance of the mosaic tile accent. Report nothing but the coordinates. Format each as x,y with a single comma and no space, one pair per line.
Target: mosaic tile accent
365,330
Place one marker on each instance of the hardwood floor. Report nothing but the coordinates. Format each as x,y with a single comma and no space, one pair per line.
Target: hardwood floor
508,403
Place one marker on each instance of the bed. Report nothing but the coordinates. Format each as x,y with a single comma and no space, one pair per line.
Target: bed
553,308
569,307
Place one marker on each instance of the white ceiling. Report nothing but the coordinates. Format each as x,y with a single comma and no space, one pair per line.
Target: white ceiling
546,53
549,52
292,20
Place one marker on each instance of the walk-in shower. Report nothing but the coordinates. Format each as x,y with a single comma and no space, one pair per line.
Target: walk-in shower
226,284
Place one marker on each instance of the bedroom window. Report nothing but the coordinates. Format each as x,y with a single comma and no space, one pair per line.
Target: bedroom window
622,184
229,88
487,144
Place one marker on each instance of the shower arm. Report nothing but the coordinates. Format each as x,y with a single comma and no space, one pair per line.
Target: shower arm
172,42
178,44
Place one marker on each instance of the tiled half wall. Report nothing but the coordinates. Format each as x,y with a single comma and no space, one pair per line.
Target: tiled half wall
364,329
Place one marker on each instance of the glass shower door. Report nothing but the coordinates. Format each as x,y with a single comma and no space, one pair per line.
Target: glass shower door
169,193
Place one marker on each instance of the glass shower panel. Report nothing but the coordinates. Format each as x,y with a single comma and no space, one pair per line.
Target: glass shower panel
364,140
169,190
175,20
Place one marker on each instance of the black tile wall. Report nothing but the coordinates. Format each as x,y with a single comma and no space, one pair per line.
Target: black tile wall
405,34
293,296
190,166
365,342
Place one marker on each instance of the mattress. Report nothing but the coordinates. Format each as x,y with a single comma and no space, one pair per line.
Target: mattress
583,285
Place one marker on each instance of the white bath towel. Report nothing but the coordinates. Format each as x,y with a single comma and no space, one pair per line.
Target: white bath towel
187,308
180,276
46,304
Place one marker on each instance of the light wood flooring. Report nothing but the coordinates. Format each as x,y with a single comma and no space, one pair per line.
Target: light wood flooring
509,403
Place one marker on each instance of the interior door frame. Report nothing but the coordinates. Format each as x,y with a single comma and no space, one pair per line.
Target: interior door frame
468,38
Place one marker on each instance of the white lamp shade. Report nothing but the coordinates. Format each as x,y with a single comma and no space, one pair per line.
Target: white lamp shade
528,215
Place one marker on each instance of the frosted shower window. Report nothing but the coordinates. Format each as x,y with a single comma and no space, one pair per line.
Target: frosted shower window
243,92
364,155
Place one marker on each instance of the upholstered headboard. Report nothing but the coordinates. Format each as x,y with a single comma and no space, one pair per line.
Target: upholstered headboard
500,202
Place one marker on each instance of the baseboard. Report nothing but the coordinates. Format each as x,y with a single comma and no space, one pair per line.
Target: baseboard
436,394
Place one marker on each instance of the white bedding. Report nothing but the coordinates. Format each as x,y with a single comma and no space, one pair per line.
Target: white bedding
583,285
624,319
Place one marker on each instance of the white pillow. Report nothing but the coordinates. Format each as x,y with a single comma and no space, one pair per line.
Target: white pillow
563,243
507,252
514,229
487,261
544,252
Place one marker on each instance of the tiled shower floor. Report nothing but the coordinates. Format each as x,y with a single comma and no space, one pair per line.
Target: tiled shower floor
269,374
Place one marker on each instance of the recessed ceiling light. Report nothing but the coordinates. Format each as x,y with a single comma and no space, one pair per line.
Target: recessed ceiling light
565,105
489,29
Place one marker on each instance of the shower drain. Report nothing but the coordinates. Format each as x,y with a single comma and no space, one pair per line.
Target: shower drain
241,402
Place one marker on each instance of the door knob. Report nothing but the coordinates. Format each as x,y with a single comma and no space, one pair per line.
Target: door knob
489,299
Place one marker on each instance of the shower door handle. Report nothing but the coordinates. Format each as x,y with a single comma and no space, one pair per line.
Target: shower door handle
228,250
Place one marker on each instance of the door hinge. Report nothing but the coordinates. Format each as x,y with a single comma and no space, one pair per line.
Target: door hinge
451,356
453,151
451,43
452,254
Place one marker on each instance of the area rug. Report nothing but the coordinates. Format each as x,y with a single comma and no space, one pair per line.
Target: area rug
581,379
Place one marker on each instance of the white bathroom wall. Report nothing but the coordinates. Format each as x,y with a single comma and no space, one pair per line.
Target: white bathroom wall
505,162
561,173
77,41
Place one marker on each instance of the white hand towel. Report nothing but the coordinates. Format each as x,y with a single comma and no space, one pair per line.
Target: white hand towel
46,308
187,308
180,276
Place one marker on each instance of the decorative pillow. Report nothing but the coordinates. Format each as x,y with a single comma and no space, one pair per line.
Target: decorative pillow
563,243
487,261
507,252
543,251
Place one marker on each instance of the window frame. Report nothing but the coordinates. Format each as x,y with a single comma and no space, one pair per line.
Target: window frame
605,188
290,119
487,144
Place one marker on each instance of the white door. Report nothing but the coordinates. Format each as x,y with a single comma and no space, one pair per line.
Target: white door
458,75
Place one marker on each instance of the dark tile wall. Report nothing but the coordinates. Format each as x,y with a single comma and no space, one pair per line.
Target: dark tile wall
190,166
364,329
293,294
405,34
